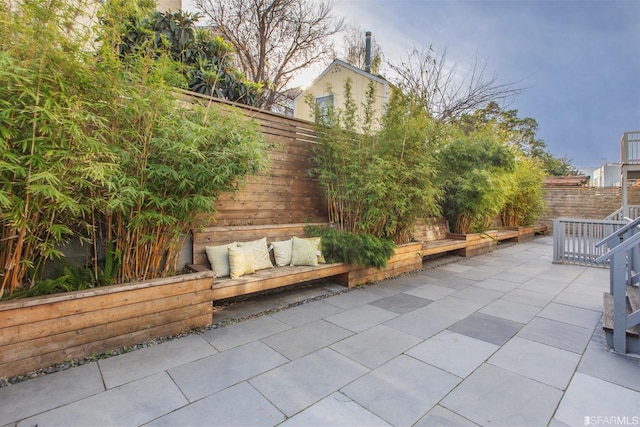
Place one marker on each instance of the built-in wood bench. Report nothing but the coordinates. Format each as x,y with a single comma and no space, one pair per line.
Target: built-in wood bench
440,246
270,278
540,229
436,239
508,233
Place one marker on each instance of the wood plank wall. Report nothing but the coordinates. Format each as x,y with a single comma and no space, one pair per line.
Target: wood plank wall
286,194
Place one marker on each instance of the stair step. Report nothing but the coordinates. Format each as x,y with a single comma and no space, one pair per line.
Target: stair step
607,319
633,293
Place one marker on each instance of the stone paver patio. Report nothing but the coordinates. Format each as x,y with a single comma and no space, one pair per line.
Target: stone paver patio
506,339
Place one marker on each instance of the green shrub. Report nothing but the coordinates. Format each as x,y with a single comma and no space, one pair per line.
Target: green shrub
97,146
524,200
52,151
474,177
378,177
70,278
357,249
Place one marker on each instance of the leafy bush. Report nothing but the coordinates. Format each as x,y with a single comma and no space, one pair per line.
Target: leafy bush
524,200
96,146
52,151
207,60
474,177
378,181
357,249
70,278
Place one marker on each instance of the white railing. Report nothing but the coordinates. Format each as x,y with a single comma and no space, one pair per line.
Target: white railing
623,257
630,148
575,240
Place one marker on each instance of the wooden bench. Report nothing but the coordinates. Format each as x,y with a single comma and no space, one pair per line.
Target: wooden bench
508,233
436,239
270,278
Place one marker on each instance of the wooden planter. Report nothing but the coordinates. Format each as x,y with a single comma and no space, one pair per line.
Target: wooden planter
42,331
477,243
525,233
407,257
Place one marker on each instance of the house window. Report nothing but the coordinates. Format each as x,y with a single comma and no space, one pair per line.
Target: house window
324,104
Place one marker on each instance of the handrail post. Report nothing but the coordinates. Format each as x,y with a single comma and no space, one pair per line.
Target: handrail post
618,273
558,240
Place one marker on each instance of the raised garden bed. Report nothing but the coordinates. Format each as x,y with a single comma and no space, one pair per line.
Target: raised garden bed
476,243
407,257
42,331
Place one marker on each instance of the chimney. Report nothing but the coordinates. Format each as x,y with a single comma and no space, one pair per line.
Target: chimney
367,52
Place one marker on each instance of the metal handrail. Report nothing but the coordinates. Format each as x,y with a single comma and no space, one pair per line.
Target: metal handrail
620,234
622,259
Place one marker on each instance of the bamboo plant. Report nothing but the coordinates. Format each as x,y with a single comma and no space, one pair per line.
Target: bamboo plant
97,147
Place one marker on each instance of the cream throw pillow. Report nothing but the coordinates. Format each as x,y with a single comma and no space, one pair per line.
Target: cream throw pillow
305,251
260,253
240,261
218,257
318,241
282,252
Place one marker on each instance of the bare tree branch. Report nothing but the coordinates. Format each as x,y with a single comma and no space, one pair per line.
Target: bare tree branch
445,91
274,39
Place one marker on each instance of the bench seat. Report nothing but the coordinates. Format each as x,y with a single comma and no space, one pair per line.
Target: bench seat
440,246
276,277
269,278
508,234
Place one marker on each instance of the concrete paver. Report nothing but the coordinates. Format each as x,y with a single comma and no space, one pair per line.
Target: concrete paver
151,360
362,318
505,338
297,385
129,404
366,347
558,334
298,342
495,396
238,405
244,332
592,401
335,410
495,330
453,352
52,391
540,362
206,376
402,390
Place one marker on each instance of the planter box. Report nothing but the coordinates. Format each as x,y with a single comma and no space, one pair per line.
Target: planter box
42,331
477,243
526,233
407,257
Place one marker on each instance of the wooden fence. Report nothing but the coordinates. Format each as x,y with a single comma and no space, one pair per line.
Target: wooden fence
287,193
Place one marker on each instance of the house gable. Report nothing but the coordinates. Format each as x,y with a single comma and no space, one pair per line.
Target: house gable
331,82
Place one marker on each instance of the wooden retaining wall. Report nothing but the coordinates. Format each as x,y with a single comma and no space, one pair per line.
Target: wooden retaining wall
42,331
407,257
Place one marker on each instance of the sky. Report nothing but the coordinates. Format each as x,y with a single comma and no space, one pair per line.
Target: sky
578,62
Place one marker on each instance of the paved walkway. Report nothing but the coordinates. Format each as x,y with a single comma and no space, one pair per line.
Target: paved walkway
505,338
